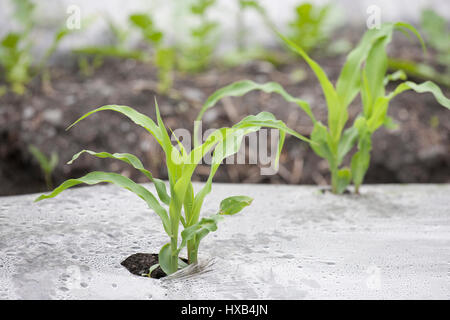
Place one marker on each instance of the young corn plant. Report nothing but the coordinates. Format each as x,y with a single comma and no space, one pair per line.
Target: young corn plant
164,56
47,164
197,55
92,57
308,28
179,204
15,55
363,73
16,58
244,53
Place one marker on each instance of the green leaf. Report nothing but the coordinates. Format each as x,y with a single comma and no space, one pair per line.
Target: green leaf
347,142
396,76
319,136
266,119
166,260
141,20
151,269
309,29
137,117
200,6
41,158
424,87
241,88
348,82
145,23
11,40
200,229
135,163
435,27
233,205
419,71
344,176
228,143
112,51
361,159
121,181
337,111
188,204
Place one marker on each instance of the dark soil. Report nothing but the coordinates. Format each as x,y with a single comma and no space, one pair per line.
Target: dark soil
140,263
329,190
418,152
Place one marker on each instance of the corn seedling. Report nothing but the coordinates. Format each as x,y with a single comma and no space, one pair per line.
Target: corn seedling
180,164
15,49
15,55
164,56
91,58
47,164
197,55
308,28
244,53
364,73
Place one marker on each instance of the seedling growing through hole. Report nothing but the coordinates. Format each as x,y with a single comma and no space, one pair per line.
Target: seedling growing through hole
184,206
364,73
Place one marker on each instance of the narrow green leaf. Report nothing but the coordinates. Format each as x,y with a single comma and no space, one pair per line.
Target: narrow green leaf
337,111
121,181
137,117
347,142
348,82
135,163
241,88
200,229
320,146
424,87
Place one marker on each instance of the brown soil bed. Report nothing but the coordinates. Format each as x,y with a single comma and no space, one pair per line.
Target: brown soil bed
140,263
419,152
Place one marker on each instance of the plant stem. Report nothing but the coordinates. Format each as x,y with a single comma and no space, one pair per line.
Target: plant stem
334,178
192,251
48,180
174,256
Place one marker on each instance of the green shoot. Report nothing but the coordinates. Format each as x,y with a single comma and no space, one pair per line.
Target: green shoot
179,204
15,49
15,55
308,29
245,53
364,73
92,57
197,55
164,56
47,164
